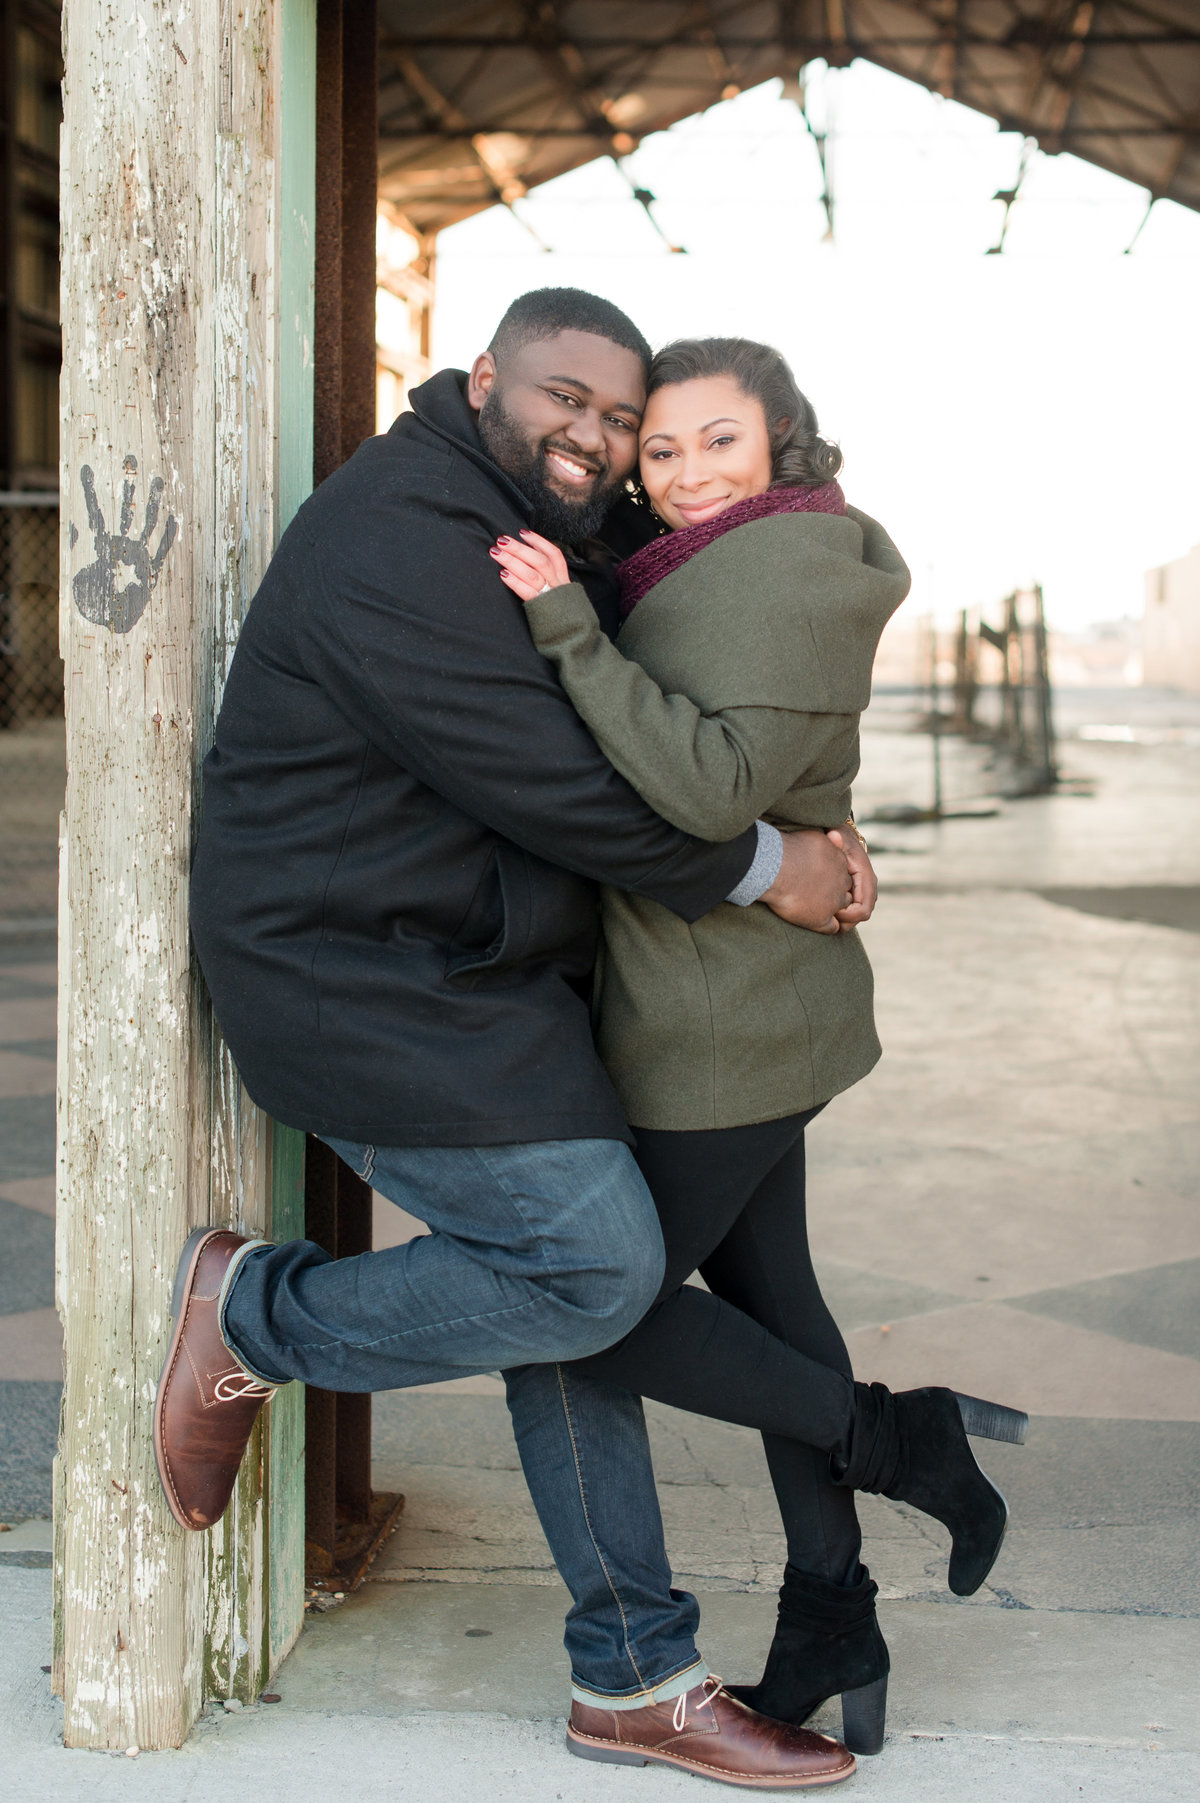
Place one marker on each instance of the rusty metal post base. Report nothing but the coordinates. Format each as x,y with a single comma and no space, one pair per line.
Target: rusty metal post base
345,1521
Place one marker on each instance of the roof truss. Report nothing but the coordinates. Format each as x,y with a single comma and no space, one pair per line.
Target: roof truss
480,100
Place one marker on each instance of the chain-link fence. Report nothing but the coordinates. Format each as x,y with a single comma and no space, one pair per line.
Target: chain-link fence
31,683
31,700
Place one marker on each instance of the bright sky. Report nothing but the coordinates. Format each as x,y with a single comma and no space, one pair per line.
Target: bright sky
1008,418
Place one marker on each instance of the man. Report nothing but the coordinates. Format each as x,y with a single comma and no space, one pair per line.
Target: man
392,902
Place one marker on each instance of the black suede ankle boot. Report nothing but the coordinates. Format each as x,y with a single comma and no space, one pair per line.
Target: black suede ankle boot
827,1643
913,1447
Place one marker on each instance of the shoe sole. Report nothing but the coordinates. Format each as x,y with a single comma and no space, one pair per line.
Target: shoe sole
184,1272
610,1752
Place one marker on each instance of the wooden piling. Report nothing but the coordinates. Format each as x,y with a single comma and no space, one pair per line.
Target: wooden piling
187,293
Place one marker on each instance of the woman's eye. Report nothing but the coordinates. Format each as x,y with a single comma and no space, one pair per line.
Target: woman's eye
659,456
717,443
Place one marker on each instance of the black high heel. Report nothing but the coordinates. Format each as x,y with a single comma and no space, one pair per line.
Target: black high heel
913,1447
991,1420
827,1643
864,1717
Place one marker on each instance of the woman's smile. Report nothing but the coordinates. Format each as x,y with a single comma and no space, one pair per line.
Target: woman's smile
695,511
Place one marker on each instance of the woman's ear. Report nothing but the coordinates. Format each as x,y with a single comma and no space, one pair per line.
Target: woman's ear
782,428
635,488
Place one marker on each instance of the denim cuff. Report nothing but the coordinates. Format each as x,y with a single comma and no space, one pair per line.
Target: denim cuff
231,1272
666,1692
763,871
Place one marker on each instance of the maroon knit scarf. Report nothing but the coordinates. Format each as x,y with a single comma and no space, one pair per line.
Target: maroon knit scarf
639,573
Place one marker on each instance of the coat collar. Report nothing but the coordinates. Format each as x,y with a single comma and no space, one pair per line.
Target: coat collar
441,404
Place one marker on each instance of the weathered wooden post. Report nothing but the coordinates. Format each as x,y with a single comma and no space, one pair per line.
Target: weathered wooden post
187,177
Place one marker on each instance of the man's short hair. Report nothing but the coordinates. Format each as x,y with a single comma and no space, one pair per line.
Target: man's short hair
545,312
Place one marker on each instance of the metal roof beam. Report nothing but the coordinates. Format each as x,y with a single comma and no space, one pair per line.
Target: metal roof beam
569,83
1164,129
563,63
808,45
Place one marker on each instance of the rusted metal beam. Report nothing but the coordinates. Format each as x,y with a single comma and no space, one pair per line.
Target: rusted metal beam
808,45
1163,129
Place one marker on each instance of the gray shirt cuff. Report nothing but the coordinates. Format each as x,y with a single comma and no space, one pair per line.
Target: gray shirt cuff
765,868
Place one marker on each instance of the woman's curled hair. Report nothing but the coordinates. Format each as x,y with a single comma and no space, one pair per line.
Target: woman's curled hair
800,457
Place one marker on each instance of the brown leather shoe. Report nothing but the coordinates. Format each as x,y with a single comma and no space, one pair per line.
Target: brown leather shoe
708,1732
207,1404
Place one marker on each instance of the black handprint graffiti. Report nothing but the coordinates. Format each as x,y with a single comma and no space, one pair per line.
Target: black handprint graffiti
102,592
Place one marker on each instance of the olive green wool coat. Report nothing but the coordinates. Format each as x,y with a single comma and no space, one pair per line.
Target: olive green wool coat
733,693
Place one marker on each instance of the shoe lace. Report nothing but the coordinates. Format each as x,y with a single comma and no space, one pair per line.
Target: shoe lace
704,1701
233,1386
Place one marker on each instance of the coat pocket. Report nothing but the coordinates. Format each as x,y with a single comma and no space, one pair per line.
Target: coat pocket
494,932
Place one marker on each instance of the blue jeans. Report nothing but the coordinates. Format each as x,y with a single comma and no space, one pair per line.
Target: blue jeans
538,1254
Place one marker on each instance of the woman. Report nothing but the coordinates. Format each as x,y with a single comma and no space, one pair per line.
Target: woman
734,693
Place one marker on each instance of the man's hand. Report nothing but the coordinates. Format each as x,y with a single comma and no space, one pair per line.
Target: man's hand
814,881
862,876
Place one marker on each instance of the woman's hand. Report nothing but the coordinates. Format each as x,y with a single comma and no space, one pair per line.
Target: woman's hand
862,875
529,564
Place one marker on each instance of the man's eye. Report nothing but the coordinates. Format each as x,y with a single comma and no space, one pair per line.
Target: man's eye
622,425
568,400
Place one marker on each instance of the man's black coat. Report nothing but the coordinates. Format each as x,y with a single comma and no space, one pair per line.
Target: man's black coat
403,819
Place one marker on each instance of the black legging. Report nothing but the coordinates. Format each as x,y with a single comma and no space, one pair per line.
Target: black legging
762,1349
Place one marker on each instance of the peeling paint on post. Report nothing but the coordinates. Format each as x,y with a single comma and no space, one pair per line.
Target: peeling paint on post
175,419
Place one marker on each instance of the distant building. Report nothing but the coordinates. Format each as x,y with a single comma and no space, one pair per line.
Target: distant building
1171,624
1107,654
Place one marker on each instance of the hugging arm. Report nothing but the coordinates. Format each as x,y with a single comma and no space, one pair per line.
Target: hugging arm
709,773
447,683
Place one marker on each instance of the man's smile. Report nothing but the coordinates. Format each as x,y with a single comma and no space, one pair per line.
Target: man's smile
570,469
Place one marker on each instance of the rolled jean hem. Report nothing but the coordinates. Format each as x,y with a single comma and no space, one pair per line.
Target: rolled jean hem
664,1691
233,1270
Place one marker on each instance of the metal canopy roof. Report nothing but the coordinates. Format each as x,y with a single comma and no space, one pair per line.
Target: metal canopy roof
481,99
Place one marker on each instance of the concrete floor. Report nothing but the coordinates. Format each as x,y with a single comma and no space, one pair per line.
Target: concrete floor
394,1700
1008,1203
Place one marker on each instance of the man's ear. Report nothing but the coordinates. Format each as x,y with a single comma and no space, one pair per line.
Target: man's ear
479,382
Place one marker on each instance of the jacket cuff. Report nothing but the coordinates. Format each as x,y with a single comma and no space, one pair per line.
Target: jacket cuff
764,869
554,613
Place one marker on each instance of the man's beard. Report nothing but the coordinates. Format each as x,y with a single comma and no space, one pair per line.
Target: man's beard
554,515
